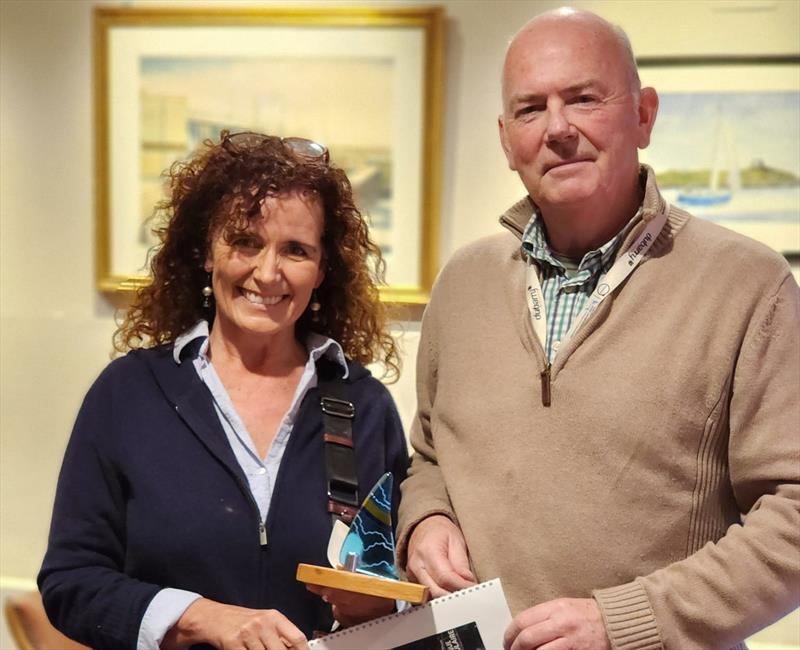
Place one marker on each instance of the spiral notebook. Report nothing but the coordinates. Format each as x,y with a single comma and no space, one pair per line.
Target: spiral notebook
471,619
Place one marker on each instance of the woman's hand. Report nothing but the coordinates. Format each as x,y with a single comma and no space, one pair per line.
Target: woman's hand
351,608
228,627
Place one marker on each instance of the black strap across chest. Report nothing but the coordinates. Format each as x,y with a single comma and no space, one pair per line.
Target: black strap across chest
337,420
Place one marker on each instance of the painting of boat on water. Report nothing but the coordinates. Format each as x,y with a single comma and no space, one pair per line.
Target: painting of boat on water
186,100
733,158
363,83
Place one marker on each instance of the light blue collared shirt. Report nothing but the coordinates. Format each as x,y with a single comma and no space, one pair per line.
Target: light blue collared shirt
566,290
170,604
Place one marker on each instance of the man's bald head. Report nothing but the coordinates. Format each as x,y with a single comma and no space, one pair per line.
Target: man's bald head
567,18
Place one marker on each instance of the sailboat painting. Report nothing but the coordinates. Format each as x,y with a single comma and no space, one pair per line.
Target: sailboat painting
733,158
723,154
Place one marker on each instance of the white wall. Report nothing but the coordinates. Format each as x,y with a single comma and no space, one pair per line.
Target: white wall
55,328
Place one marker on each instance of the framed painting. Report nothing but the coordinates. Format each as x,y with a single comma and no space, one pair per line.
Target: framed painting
367,83
726,143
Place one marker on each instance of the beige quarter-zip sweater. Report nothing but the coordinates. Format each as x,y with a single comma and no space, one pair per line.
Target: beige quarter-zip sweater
664,477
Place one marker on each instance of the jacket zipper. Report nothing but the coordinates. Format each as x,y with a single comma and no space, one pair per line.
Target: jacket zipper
262,529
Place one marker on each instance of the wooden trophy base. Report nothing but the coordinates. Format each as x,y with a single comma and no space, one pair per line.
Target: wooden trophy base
362,584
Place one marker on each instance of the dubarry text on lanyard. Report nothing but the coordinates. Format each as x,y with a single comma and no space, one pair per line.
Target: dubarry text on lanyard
609,281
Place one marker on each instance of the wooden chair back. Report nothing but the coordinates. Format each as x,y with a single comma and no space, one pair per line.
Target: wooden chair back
30,627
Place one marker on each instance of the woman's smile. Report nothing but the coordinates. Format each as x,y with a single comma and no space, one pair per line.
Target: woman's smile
258,299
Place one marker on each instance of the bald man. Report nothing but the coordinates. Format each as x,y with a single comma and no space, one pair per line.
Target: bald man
608,414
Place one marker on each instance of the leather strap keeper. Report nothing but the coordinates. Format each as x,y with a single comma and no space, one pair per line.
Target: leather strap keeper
339,440
344,512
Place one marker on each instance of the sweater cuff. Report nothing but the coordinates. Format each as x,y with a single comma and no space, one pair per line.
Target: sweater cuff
629,619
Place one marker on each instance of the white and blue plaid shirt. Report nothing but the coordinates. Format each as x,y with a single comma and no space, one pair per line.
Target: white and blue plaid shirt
566,288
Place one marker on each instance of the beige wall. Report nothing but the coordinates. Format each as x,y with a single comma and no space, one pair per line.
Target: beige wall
55,329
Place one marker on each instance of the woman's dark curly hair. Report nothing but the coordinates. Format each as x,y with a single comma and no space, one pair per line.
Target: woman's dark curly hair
220,190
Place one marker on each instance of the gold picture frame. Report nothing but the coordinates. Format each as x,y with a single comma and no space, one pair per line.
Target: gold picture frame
165,77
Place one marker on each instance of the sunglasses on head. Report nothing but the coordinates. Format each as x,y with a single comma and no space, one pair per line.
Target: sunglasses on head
302,147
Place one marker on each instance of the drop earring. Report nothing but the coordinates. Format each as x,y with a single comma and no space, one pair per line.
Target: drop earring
315,307
207,293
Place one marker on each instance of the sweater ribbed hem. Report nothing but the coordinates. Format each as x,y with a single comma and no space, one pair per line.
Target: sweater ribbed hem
630,622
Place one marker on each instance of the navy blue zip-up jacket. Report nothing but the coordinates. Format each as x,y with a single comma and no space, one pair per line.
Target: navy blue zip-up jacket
150,495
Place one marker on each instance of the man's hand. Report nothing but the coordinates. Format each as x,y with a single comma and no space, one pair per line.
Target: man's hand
229,627
437,556
562,624
351,608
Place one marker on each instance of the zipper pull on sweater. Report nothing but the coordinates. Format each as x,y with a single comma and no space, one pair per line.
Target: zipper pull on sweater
545,375
262,533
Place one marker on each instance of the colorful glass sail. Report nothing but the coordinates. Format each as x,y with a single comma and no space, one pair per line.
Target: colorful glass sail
370,541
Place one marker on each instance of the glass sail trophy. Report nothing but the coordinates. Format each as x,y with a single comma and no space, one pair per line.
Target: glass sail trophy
366,558
369,546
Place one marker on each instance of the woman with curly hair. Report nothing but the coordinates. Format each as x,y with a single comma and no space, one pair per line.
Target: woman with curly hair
202,469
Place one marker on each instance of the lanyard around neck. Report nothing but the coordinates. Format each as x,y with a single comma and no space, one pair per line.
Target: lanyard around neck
609,281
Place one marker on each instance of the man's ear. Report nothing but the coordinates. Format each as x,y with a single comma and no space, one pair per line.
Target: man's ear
648,109
501,129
